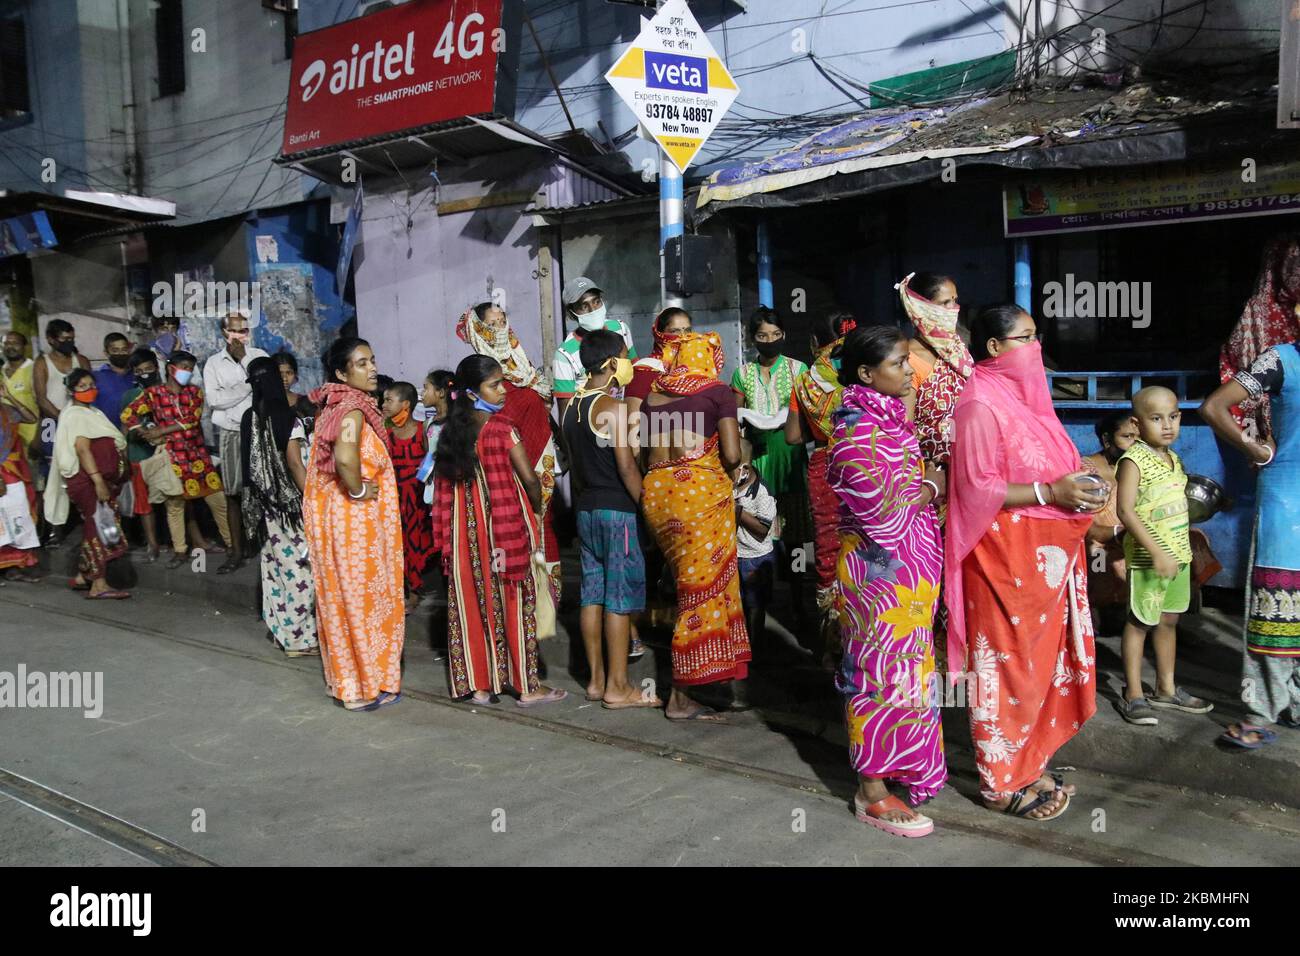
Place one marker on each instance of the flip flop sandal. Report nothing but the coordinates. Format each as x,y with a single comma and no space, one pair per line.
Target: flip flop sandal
653,702
373,705
704,713
23,578
109,596
83,586
1293,724
312,652
386,698
556,694
1266,736
470,699
873,815
230,566
636,650
1018,808
175,562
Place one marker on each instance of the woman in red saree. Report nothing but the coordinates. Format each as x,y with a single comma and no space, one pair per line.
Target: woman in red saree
813,402
694,445
1016,573
486,329
485,523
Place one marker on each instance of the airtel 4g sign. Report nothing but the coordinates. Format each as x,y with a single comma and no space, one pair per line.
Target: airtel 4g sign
403,68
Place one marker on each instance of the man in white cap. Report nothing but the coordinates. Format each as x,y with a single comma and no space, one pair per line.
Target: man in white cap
584,303
229,395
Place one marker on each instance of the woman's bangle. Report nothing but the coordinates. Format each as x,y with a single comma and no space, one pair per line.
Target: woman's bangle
934,489
363,491
92,474
1039,495
1271,453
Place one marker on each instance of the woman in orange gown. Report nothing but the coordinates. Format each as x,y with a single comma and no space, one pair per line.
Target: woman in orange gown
353,526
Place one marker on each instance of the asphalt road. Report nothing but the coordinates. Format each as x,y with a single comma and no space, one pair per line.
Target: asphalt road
214,749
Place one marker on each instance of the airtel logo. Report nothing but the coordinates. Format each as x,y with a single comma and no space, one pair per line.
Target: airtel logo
311,79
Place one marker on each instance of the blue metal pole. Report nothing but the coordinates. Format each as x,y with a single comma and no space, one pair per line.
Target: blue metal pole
671,219
1023,280
765,295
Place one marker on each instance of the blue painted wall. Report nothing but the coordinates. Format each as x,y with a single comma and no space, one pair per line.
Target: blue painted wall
300,315
1202,454
57,125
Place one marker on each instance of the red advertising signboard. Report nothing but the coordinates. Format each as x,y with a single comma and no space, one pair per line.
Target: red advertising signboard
402,68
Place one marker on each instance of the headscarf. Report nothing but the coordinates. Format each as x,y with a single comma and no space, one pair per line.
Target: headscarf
655,360
1022,441
75,421
335,400
1268,319
937,327
270,489
818,390
691,363
502,345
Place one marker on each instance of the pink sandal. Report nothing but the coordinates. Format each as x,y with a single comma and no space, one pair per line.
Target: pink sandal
555,694
873,815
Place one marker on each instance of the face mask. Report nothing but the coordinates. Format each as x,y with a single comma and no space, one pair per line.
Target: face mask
742,475
66,348
770,349
593,320
86,395
401,418
483,406
167,343
501,339
182,376
118,361
145,381
623,371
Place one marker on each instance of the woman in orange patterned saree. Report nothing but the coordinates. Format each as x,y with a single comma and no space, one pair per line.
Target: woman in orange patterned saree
694,442
1016,572
353,526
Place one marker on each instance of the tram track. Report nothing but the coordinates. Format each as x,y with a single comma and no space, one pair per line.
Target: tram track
971,820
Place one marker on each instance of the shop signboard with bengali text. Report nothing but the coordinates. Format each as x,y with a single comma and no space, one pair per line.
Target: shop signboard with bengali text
1152,196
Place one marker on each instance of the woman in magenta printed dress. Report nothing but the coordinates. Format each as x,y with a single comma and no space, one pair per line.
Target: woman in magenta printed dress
888,572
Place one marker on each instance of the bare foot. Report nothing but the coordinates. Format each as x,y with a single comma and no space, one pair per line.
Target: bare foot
596,690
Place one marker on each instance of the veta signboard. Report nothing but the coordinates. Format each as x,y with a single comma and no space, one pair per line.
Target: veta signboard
674,81
403,68
1182,192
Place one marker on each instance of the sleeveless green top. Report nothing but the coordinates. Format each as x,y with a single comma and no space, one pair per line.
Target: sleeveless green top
1161,505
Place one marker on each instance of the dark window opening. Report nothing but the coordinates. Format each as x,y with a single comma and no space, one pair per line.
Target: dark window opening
169,38
15,99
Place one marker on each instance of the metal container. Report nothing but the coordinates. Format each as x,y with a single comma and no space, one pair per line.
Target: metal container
1205,498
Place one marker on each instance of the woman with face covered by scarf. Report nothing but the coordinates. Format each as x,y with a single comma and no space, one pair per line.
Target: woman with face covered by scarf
486,329
274,446
694,447
1016,573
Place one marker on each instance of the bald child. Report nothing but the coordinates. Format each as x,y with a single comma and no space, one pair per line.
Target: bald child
1152,500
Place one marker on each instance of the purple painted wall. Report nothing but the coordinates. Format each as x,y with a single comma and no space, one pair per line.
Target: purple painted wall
411,287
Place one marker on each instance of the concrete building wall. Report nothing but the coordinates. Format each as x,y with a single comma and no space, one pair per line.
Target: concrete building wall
209,148
56,127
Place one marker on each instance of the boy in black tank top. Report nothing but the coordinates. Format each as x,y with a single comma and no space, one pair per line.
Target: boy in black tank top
607,490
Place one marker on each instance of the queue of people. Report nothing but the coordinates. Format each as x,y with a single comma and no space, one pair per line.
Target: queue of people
957,534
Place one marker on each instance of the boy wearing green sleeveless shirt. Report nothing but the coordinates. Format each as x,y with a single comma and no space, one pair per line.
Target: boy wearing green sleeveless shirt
1152,498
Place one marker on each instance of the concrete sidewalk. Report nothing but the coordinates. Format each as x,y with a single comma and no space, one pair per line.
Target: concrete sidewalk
789,693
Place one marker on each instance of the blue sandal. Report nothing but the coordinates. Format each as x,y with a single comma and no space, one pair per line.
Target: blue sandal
1266,736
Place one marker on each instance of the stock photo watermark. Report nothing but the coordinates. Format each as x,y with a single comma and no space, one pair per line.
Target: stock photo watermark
72,690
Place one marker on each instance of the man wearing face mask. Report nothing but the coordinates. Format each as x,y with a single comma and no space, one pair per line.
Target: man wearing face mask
169,413
584,303
48,383
18,370
114,378
607,490
225,378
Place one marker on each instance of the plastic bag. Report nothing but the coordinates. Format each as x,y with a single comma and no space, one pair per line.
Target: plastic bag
106,525
126,500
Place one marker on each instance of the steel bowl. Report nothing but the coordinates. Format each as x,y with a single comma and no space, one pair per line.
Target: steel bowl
1205,498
